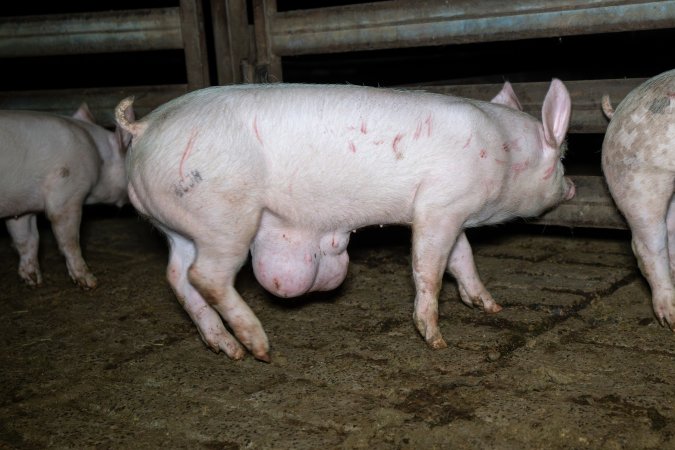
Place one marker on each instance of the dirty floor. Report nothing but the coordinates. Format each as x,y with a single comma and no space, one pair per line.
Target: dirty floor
574,361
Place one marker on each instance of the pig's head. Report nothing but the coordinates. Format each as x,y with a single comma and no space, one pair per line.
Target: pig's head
538,182
112,148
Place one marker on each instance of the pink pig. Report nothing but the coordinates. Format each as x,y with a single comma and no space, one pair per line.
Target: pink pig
55,164
638,160
288,171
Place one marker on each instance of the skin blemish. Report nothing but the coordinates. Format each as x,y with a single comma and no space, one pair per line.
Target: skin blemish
186,153
380,142
364,128
429,123
506,147
500,162
352,147
468,142
256,131
483,153
185,185
418,131
64,172
549,172
277,285
659,105
395,146
517,168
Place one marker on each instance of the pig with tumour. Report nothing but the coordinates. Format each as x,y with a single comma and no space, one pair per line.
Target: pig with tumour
638,161
288,171
55,164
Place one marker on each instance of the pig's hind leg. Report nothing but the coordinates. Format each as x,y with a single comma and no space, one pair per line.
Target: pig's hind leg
471,289
209,324
644,198
24,233
222,244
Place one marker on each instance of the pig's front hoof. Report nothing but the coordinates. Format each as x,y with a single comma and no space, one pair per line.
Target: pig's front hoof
30,274
86,282
31,278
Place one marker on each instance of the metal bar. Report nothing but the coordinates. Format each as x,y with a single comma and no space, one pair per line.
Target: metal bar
268,63
100,32
591,207
194,43
101,101
408,23
231,39
587,116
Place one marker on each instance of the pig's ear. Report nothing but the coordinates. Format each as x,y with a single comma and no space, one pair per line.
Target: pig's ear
123,136
555,114
84,114
507,97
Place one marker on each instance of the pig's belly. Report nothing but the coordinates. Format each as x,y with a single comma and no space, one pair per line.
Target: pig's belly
290,261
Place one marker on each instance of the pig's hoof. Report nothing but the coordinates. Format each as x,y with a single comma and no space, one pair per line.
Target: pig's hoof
437,343
32,278
88,282
232,349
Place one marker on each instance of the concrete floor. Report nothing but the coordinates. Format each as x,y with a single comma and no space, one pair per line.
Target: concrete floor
575,360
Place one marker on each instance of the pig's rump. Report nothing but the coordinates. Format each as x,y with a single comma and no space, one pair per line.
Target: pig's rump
40,158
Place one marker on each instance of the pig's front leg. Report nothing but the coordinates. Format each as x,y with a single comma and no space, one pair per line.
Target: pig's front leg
65,221
433,239
471,289
24,233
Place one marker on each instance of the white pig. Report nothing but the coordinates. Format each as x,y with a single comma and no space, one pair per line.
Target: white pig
55,164
288,171
638,160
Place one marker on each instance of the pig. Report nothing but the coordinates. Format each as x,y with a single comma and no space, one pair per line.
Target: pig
638,161
287,171
55,164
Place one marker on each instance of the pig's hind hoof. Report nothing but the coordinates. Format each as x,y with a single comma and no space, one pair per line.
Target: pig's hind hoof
437,343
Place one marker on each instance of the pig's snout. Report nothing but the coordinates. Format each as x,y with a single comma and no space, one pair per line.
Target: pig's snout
570,189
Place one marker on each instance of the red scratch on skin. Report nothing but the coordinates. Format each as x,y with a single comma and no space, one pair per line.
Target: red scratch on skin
468,141
418,131
352,147
483,153
364,129
519,167
380,142
429,123
255,129
186,153
394,146
511,145
500,162
549,172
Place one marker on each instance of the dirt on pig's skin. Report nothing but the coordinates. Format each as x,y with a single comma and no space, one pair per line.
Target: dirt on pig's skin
575,359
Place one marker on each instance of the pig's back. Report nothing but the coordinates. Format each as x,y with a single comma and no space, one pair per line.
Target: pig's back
319,150
37,151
